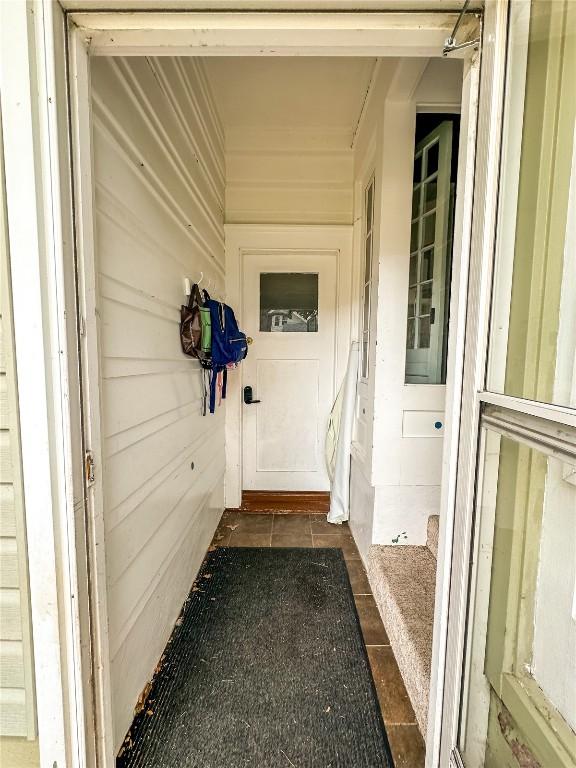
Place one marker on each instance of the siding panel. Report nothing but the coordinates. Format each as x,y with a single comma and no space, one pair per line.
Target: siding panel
17,705
159,179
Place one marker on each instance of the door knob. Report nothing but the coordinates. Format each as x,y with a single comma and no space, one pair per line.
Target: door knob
248,396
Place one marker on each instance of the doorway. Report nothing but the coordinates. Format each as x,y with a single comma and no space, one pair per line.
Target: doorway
120,298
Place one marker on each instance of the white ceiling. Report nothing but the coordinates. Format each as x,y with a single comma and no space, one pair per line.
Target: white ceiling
289,93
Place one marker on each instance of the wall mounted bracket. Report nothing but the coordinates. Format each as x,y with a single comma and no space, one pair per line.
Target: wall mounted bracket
450,44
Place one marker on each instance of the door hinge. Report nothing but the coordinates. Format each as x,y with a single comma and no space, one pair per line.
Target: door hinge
89,468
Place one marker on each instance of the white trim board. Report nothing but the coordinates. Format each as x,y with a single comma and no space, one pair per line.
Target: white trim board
271,34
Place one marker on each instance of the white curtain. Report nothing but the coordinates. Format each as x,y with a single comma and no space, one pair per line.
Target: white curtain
339,441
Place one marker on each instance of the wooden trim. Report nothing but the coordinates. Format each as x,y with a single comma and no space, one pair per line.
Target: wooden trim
286,502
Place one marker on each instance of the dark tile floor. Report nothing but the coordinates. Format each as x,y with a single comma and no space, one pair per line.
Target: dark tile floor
282,530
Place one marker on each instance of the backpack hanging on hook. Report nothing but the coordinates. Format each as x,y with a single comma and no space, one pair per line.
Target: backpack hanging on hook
229,346
195,326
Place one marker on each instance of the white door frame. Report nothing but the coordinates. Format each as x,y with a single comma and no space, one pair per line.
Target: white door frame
246,238
35,143
459,477
200,33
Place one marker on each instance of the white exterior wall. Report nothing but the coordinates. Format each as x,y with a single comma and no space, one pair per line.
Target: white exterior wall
17,709
288,176
159,180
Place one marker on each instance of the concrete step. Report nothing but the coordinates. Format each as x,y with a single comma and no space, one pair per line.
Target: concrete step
403,582
432,537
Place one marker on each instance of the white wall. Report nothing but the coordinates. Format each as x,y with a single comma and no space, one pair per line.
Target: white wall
17,707
292,176
367,148
441,85
159,180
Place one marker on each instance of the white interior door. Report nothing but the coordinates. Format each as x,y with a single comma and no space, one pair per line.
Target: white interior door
289,309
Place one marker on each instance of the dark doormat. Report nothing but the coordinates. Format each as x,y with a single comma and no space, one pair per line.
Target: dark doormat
267,669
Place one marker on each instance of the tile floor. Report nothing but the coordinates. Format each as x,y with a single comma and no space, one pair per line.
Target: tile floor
292,530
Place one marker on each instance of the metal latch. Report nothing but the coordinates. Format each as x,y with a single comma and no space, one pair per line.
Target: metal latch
89,468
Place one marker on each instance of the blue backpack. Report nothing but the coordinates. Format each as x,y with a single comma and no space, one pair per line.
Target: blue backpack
229,345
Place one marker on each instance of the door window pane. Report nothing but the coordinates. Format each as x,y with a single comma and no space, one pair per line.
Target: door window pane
413,276
412,301
414,235
428,229
288,302
411,333
432,156
417,168
366,312
533,341
365,356
423,332
427,265
430,194
369,208
368,259
416,202
425,299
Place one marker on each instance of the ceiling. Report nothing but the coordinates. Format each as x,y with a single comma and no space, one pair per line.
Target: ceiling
289,93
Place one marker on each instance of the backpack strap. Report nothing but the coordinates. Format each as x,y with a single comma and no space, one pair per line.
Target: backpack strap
213,377
195,297
205,387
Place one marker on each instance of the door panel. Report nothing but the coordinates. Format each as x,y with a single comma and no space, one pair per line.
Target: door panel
289,301
288,418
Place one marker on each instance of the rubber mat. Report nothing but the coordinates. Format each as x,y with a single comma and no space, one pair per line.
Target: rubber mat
266,668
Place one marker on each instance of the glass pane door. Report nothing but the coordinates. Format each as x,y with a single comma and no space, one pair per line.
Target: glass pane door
517,704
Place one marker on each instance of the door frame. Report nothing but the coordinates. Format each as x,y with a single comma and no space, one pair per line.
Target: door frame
203,33
242,239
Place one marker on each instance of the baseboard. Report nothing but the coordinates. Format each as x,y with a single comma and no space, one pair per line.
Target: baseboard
285,502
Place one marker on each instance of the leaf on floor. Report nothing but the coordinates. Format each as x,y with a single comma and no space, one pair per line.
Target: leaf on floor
141,703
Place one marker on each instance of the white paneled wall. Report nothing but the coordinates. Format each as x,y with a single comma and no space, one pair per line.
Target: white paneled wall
292,176
17,708
159,179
